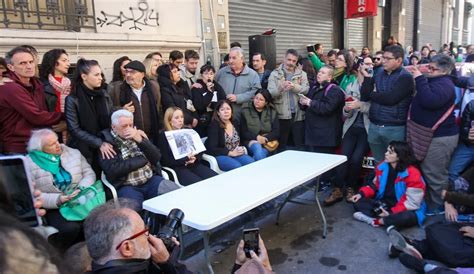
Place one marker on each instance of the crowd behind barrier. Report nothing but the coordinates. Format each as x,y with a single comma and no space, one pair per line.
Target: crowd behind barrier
412,111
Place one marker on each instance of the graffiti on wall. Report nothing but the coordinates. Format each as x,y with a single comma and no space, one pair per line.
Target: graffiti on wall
136,17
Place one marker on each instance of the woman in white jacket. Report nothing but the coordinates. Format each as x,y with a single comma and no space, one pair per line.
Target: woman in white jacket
58,171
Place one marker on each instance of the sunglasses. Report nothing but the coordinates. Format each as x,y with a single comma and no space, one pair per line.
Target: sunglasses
377,58
144,231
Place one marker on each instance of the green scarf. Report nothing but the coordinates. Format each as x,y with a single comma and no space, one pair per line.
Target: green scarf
346,80
52,164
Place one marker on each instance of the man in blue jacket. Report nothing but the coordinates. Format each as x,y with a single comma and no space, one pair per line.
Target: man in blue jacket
390,92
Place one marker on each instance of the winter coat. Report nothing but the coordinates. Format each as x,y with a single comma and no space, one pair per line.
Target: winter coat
74,163
251,124
281,98
409,190
323,124
177,96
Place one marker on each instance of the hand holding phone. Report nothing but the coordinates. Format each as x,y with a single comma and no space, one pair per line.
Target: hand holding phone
251,239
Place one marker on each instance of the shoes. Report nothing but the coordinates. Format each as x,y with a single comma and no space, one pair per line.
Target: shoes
364,218
349,193
399,242
336,196
412,262
392,251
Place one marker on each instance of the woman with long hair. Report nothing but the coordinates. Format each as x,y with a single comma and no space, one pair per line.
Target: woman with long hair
57,86
396,196
223,140
88,111
151,65
189,169
118,73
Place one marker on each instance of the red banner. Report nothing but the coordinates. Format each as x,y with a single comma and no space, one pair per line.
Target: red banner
361,8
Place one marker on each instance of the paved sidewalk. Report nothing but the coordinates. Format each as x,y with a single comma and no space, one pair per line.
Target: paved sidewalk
297,246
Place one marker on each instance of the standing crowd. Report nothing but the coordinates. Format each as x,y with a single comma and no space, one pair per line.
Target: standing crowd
411,111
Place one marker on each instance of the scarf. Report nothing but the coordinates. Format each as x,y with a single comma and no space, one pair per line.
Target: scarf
93,111
63,87
346,80
52,164
338,72
129,149
126,97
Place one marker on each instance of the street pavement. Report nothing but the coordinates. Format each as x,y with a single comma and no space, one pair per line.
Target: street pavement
297,246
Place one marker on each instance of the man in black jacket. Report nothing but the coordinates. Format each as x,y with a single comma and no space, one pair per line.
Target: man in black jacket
119,242
135,169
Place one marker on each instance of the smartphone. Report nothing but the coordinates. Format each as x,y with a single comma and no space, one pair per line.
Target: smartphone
16,187
311,48
251,237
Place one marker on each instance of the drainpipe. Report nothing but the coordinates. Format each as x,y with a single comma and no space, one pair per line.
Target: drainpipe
416,25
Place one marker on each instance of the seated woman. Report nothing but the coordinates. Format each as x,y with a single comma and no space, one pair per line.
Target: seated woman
58,171
396,196
223,140
188,169
205,98
259,124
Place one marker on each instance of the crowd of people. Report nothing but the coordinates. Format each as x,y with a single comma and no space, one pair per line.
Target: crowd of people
403,107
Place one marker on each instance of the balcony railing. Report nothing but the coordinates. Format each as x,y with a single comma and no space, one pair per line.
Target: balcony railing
69,15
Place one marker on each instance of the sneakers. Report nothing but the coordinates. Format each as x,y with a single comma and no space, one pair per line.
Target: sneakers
412,262
399,242
349,193
393,252
359,216
336,196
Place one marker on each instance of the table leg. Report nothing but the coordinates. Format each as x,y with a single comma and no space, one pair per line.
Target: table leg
182,246
205,238
287,198
323,217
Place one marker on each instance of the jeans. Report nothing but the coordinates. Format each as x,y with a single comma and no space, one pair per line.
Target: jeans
258,152
142,192
380,136
227,163
462,157
355,147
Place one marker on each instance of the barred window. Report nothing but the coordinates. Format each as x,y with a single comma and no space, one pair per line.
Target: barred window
69,15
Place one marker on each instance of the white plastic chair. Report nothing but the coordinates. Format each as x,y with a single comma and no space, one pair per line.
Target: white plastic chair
166,170
104,180
211,160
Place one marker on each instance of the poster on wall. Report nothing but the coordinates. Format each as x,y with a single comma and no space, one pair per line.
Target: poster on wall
361,8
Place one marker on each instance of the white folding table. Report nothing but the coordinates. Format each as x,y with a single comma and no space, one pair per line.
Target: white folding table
212,202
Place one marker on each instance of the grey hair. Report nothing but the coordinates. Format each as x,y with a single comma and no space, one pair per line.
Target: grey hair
105,227
443,62
239,50
36,140
120,113
331,70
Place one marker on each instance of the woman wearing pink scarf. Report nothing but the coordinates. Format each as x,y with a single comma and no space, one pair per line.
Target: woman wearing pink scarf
53,74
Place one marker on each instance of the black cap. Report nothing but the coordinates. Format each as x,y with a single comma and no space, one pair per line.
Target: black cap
136,65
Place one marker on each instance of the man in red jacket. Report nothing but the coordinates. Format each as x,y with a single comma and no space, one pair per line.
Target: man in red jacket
22,102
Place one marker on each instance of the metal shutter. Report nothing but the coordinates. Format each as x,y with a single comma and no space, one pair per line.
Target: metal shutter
410,17
430,23
356,33
297,23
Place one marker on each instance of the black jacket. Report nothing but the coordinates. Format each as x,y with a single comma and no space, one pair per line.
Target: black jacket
466,123
323,122
264,80
80,139
215,142
176,96
50,94
201,98
136,266
117,169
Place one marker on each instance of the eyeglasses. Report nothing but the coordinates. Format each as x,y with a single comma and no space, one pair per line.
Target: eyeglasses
368,64
144,231
389,58
377,58
433,68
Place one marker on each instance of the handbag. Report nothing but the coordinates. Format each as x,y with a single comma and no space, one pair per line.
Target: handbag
419,137
271,145
79,207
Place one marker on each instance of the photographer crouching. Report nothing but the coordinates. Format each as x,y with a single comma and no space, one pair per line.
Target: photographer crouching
119,242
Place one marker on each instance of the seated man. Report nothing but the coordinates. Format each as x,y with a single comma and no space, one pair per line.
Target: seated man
119,242
135,169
